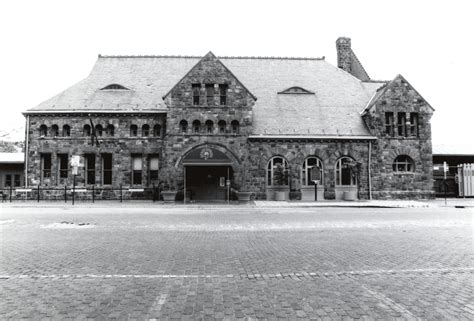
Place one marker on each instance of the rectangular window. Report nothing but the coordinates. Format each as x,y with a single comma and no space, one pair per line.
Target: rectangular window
90,168
63,162
137,169
210,94
414,124
45,166
401,124
17,180
8,180
107,169
153,164
196,93
389,124
223,94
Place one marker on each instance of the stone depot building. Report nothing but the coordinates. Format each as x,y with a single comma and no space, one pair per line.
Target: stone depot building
261,124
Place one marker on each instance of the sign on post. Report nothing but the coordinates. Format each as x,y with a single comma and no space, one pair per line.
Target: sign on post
315,173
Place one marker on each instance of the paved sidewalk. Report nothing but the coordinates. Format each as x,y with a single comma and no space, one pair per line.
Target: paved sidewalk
436,203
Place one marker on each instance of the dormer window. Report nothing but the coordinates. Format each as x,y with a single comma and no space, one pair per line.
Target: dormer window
296,90
115,87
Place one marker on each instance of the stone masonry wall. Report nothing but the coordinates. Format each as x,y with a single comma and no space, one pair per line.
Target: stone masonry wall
121,146
386,183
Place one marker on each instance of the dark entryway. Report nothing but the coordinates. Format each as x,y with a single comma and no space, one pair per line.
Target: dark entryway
207,183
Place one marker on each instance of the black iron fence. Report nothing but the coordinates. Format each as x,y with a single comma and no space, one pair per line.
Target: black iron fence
82,193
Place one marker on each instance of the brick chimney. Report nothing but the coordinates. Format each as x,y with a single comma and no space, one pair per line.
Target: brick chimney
344,54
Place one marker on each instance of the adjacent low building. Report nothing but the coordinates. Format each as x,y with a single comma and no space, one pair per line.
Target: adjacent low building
12,170
265,125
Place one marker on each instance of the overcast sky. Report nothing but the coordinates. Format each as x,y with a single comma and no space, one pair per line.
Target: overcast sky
47,46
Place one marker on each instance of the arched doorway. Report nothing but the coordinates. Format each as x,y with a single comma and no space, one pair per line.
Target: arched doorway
207,174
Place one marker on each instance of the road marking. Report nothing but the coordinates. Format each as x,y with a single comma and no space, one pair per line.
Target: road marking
157,305
253,276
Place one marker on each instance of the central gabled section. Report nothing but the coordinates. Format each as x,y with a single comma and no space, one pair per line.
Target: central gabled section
209,84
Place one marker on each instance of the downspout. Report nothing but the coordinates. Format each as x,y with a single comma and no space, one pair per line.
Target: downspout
369,170
27,138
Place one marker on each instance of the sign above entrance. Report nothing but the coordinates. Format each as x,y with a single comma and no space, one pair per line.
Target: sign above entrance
206,156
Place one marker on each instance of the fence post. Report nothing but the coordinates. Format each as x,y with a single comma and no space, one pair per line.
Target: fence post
11,191
93,194
38,196
120,193
73,188
65,193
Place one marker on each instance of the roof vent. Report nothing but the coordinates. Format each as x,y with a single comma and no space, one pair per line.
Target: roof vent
296,90
114,87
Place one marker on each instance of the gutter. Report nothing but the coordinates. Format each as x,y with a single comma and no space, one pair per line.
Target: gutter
333,137
27,138
93,111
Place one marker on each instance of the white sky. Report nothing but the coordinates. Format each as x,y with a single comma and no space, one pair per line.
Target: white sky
47,46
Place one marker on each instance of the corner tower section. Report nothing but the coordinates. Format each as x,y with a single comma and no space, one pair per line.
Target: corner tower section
400,117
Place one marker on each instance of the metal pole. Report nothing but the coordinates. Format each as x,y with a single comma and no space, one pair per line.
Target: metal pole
120,193
154,193
73,188
228,186
369,170
315,191
184,199
38,196
445,190
93,194
65,193
11,191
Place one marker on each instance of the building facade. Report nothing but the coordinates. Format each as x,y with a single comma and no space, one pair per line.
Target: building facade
208,124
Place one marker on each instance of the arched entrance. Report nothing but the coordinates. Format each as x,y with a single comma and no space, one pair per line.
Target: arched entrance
207,174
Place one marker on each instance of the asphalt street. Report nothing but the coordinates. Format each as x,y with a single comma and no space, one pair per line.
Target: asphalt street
236,263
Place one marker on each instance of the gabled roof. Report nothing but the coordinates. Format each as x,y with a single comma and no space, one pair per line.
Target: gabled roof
382,90
332,110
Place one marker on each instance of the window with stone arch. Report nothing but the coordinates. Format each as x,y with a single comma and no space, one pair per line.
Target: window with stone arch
235,127
145,130
43,130
110,130
86,131
55,130
157,130
403,164
209,126
99,130
133,130
196,126
66,131
183,126
222,125
277,172
343,172
308,164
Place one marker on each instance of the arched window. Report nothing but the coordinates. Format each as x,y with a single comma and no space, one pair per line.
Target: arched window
43,131
55,131
157,130
308,164
403,164
277,171
235,127
196,126
86,131
344,173
209,126
145,130
110,130
133,130
222,126
66,131
99,130
183,126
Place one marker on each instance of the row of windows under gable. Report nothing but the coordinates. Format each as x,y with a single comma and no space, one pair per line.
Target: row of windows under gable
99,130
210,94
401,124
209,128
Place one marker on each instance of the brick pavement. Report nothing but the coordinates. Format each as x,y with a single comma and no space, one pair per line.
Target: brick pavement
329,264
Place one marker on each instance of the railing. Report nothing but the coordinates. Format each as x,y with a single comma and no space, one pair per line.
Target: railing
83,193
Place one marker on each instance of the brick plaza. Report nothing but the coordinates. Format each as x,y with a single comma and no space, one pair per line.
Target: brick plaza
235,263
